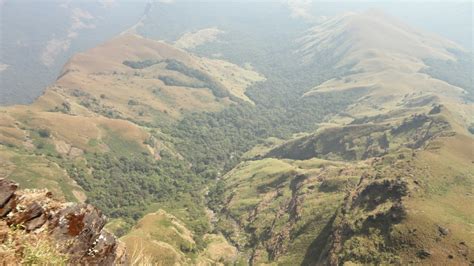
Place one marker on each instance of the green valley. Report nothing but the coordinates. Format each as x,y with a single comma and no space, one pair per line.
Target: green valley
260,139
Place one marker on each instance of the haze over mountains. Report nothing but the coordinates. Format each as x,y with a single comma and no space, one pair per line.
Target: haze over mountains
33,54
270,136
387,57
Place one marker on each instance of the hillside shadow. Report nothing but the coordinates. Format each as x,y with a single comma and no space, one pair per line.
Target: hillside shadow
317,247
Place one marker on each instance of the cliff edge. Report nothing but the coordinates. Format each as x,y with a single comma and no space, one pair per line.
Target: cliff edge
36,228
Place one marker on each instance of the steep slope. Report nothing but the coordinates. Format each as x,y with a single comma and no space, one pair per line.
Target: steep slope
82,118
165,240
272,209
36,144
38,39
94,137
411,209
134,78
369,137
354,33
359,193
387,58
36,229
371,186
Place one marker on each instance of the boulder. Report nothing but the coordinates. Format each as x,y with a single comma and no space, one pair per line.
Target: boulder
423,254
443,231
77,229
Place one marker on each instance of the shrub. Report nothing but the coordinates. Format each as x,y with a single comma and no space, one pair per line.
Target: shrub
42,252
133,102
471,129
141,64
44,133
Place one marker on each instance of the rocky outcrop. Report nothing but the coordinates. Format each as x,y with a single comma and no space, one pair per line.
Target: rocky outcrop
75,229
378,205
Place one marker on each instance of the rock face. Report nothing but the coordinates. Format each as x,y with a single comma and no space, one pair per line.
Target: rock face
75,229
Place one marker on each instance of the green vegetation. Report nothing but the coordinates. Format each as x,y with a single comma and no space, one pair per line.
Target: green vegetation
278,201
43,143
38,171
141,64
133,102
218,90
125,186
92,103
44,133
32,249
42,252
362,140
118,227
278,207
458,73
64,108
214,142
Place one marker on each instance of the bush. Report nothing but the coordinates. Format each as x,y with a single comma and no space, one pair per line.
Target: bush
471,129
44,133
133,102
40,251
218,90
141,64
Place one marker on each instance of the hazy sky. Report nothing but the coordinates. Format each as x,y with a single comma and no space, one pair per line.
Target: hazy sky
451,19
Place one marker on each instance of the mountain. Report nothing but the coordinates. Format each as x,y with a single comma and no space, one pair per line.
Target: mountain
373,184
388,58
230,142
105,111
359,189
34,53
139,79
355,33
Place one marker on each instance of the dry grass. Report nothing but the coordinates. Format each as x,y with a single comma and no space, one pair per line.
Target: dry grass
137,256
160,237
29,249
385,57
69,130
442,196
191,40
102,67
36,171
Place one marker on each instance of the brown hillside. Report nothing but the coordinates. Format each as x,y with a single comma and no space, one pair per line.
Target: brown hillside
384,56
100,81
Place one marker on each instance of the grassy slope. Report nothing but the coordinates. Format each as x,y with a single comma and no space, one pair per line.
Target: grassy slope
37,161
271,209
76,116
35,171
387,207
388,58
443,198
167,241
98,80
74,129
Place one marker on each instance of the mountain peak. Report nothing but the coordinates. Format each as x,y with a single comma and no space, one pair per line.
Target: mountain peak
354,32
383,55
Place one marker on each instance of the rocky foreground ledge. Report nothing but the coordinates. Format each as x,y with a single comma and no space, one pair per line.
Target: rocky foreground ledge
35,228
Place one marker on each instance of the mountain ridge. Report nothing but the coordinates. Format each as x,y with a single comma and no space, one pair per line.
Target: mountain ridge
391,71
159,138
